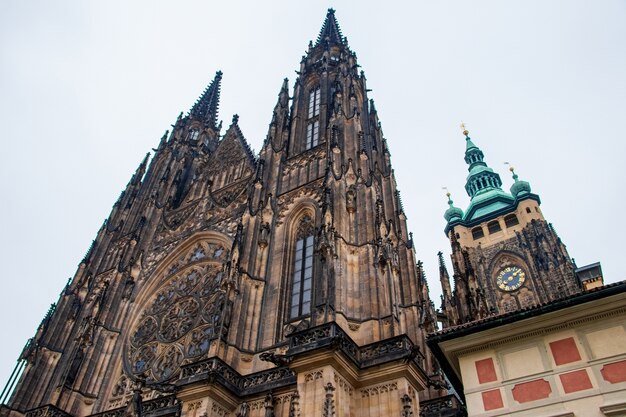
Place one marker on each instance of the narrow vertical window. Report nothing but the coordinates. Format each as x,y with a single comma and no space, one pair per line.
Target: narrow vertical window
313,124
312,134
302,271
314,103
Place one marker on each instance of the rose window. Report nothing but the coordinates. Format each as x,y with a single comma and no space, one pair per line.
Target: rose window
180,320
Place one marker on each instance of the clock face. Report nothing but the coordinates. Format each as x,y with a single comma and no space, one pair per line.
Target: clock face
510,278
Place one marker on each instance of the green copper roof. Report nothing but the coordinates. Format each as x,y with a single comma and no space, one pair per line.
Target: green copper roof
483,185
519,187
481,177
453,213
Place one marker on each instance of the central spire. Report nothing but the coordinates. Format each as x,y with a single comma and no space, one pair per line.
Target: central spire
481,178
205,109
330,30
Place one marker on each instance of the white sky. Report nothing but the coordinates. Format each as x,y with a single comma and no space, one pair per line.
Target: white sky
87,88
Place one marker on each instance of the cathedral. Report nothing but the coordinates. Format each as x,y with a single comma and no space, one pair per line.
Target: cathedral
283,283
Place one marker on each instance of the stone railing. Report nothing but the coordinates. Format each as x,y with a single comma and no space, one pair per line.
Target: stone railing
216,370
448,406
166,406
331,335
47,411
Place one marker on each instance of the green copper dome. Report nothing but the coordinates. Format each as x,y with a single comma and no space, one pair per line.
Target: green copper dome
519,187
484,186
453,213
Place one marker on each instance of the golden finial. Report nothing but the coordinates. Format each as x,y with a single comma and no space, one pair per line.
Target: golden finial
464,129
510,166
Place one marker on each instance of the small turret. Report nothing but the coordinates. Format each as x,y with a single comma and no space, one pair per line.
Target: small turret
518,187
453,213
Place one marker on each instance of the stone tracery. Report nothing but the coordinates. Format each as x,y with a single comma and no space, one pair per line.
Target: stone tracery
183,316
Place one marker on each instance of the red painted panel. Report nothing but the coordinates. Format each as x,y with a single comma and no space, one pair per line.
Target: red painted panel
492,400
614,372
564,351
486,371
575,381
531,391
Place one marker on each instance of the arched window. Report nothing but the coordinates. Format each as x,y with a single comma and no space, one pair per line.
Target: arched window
193,135
302,270
313,123
527,209
511,220
477,233
494,226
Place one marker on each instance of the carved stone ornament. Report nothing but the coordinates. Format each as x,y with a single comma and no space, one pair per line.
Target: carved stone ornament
181,319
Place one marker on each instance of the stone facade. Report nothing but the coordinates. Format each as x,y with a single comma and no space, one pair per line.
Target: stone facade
231,284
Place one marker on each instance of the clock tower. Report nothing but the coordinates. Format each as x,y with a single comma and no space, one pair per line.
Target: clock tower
505,255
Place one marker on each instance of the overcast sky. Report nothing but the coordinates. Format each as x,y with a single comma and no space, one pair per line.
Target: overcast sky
87,88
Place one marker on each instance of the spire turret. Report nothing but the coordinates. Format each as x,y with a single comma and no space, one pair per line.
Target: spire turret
330,31
453,213
518,187
481,178
205,109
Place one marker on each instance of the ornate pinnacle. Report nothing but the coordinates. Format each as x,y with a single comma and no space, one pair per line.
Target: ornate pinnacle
206,107
330,30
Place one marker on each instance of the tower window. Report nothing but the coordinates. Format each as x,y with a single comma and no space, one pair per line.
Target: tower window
302,271
493,226
511,220
312,134
527,209
477,233
314,103
193,135
313,124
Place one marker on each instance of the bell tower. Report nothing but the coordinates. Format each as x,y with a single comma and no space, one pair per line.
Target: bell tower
505,255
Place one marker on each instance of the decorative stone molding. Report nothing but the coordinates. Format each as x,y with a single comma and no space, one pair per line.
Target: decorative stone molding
343,384
331,335
379,389
313,376
217,371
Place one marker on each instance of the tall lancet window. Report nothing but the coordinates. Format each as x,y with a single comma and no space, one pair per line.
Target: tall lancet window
313,123
302,270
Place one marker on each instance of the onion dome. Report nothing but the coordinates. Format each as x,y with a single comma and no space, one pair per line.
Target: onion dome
453,213
519,187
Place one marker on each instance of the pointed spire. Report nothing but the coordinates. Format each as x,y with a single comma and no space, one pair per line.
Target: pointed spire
206,107
481,178
242,139
330,30
283,96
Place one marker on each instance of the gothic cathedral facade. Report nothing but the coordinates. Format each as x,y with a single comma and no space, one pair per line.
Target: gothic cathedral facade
283,284
226,283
